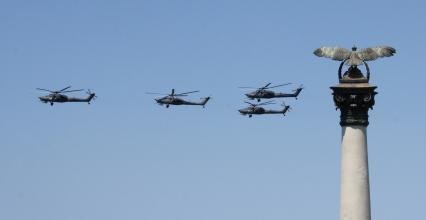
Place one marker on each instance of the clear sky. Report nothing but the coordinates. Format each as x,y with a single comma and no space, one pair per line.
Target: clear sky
124,157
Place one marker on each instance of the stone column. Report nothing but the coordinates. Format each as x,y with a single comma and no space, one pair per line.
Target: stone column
354,98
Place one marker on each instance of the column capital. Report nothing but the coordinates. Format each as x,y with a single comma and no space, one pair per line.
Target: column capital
354,100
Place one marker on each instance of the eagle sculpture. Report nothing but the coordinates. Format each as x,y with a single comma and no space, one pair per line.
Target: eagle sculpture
354,57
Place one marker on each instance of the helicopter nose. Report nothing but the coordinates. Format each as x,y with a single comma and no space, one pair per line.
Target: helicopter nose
42,99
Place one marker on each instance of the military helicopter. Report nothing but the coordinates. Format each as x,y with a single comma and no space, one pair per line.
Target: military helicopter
57,96
172,99
264,93
254,109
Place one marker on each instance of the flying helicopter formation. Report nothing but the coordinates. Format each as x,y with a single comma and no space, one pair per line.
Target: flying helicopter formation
265,93
173,98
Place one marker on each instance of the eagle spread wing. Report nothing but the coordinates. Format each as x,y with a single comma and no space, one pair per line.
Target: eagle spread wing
335,53
355,57
373,53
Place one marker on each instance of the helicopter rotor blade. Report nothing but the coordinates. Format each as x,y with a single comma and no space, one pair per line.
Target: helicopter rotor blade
155,93
250,103
247,87
63,89
45,90
266,103
266,86
185,93
279,85
75,90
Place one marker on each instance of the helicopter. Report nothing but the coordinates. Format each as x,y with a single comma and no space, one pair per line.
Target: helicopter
264,93
172,99
254,109
57,96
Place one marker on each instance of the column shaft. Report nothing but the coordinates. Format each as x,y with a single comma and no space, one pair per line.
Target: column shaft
355,190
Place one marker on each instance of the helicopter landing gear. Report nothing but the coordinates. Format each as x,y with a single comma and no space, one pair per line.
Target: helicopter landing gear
167,106
51,104
258,100
250,116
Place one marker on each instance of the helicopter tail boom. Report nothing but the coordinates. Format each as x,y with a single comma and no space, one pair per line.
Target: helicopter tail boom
286,95
284,111
88,99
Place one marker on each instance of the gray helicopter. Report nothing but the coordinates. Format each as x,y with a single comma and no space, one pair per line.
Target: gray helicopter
172,99
264,93
57,96
254,109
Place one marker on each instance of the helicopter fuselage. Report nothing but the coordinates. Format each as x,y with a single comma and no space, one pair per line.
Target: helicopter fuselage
252,111
63,98
268,94
54,98
169,100
264,94
260,111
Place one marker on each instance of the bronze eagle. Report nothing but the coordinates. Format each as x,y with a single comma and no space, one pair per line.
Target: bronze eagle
354,57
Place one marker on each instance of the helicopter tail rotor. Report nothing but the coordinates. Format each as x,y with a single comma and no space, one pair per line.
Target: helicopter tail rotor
286,109
301,87
205,100
92,96
298,90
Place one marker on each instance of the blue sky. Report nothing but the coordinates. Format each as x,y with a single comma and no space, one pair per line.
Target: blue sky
124,157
